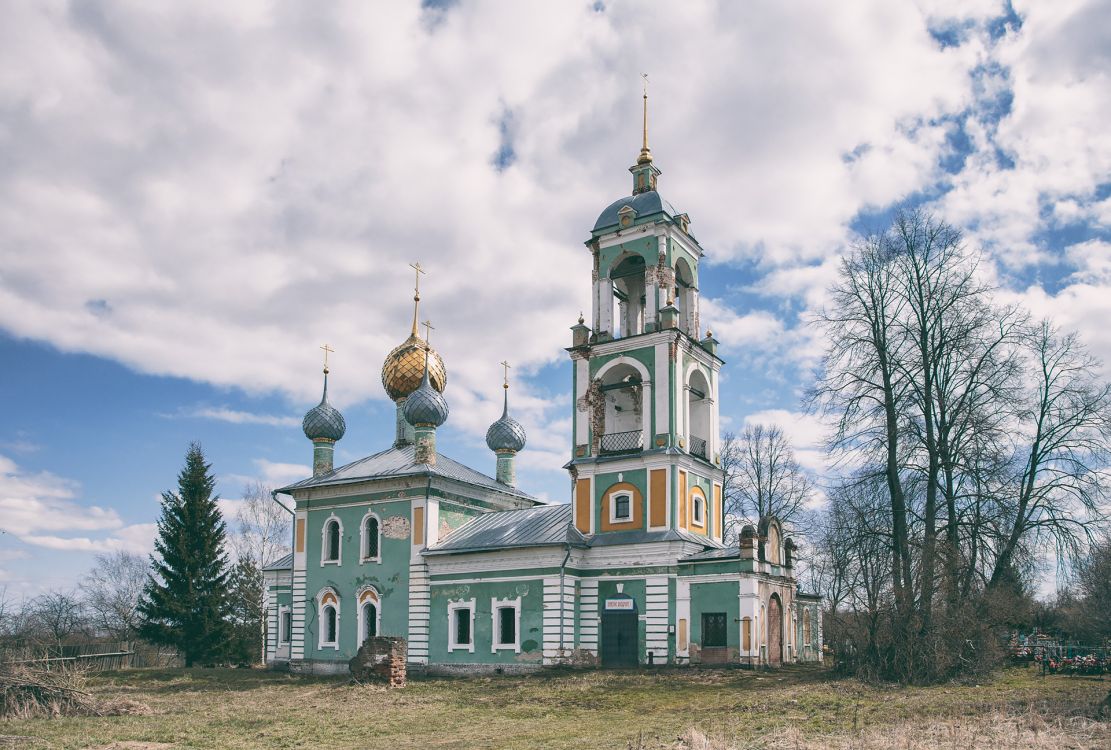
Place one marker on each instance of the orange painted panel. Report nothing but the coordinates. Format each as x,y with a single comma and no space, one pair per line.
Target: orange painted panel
683,635
582,505
719,512
683,517
696,528
637,521
300,535
657,498
418,526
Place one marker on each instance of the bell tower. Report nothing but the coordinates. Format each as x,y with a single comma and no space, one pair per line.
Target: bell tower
645,417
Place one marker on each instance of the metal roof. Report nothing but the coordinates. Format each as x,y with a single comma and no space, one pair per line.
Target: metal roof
544,525
640,537
724,553
645,204
400,462
285,563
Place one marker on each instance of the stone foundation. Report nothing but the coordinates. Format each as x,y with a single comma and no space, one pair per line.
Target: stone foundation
381,659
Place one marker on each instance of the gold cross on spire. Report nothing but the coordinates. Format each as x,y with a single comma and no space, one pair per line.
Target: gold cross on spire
417,271
644,152
505,365
327,350
428,329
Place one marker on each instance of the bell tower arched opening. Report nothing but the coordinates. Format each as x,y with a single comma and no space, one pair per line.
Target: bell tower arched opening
627,277
698,415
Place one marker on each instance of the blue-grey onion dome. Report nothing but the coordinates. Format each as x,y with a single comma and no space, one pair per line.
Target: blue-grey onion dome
323,421
506,434
425,405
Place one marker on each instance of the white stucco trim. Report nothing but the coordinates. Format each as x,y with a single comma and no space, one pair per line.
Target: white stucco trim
452,608
324,559
363,540
495,619
364,595
333,603
614,518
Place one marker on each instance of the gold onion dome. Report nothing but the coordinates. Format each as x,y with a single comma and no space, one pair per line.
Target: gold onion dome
404,367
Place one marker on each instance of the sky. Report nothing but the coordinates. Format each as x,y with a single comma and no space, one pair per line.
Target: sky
195,197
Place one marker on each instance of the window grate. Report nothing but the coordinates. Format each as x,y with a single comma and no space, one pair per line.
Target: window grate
623,442
698,447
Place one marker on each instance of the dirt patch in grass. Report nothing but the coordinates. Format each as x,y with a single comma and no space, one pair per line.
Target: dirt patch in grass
231,709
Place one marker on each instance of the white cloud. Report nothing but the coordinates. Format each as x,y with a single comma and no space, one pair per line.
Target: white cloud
211,192
38,508
277,474
235,416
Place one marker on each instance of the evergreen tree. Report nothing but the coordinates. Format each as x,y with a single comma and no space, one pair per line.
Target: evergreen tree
186,601
245,644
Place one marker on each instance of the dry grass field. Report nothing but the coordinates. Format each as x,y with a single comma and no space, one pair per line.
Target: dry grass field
795,708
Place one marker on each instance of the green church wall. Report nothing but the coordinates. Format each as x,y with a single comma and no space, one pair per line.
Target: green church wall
646,247
453,516
531,635
607,589
716,597
389,577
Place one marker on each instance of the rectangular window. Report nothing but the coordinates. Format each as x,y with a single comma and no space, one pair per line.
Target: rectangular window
285,626
462,627
507,626
621,509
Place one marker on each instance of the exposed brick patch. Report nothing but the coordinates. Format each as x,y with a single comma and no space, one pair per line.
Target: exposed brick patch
381,659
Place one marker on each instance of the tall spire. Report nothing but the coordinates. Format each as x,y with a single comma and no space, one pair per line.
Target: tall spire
645,153
417,271
644,171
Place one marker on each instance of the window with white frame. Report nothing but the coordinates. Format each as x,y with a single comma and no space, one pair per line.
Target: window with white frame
460,616
328,607
698,509
506,621
285,625
369,613
621,507
371,532
331,543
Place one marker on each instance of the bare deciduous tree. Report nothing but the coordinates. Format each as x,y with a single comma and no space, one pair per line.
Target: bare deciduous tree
766,479
112,590
262,527
57,616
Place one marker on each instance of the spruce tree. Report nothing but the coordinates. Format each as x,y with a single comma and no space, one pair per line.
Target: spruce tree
186,601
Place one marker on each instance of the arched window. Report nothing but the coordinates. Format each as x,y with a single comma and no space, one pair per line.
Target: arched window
370,613
371,533
698,507
328,607
331,541
806,627
370,620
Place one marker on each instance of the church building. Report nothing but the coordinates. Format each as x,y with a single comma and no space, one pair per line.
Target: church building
476,574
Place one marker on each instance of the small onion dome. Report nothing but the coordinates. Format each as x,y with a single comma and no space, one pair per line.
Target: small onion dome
506,434
401,372
323,421
426,405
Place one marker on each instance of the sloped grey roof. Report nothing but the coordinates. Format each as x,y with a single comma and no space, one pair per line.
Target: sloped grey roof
645,204
285,563
640,537
400,462
724,553
544,525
